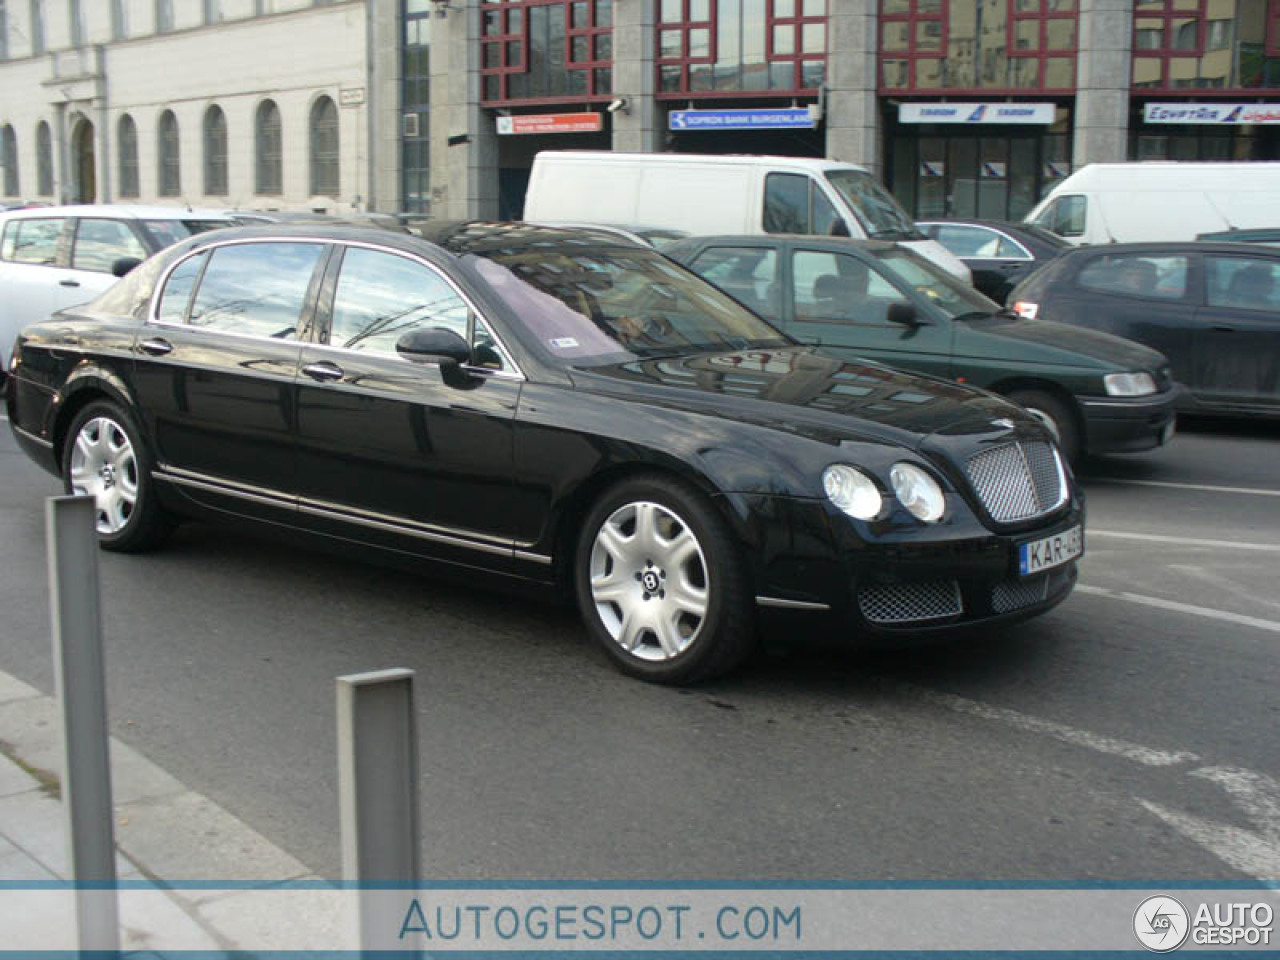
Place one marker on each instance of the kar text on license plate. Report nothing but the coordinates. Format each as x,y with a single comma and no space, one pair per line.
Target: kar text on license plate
1048,552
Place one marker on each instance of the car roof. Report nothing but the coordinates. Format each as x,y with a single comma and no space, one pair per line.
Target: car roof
1168,247
764,239
714,159
118,211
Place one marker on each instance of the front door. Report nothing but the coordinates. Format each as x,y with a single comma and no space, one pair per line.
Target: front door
396,451
842,303
216,372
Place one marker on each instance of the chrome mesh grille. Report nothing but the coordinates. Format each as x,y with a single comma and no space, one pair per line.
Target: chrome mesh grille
906,602
1016,594
1018,481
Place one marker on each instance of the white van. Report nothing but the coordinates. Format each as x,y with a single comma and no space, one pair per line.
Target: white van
711,194
1161,200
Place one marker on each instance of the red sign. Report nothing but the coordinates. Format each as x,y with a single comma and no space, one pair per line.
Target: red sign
552,123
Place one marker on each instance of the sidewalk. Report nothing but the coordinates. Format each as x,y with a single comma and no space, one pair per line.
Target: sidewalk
165,833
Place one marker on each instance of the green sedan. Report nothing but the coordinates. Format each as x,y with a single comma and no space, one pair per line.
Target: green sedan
1097,393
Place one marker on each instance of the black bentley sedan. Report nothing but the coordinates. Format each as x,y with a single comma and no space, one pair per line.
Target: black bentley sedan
547,407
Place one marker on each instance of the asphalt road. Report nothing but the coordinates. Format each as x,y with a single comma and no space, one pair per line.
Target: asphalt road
1130,734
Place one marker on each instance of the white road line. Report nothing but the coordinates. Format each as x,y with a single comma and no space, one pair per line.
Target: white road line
1208,487
1226,616
1060,731
1185,541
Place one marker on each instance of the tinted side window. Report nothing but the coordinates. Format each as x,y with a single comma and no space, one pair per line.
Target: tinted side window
100,243
1243,283
786,203
34,241
965,241
1164,278
835,288
257,289
177,290
381,297
749,274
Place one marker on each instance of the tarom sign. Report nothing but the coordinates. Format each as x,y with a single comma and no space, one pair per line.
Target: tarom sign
1041,113
551,123
1212,113
788,118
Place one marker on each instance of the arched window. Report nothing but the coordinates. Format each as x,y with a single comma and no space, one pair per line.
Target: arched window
44,159
9,160
168,156
324,148
127,142
215,152
267,150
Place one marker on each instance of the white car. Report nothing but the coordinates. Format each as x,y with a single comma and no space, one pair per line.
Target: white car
57,257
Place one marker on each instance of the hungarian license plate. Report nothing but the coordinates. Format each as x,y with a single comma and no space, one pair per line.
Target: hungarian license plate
1049,552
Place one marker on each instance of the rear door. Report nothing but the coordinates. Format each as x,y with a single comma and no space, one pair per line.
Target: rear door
29,255
1237,334
996,260
216,371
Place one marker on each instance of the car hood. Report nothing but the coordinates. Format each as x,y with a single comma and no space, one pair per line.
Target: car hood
801,390
1011,336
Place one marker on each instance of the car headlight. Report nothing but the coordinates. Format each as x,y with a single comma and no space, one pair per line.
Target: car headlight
852,491
1129,384
918,492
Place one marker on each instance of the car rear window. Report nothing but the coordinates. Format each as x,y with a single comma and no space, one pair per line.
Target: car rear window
33,240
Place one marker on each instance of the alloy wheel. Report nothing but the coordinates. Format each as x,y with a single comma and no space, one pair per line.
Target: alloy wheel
105,466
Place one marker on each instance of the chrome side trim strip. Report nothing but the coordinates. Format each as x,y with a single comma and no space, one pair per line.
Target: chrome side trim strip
783,604
532,557
47,444
228,488
373,521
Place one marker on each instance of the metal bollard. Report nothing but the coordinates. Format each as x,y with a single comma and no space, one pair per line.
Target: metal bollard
378,797
75,607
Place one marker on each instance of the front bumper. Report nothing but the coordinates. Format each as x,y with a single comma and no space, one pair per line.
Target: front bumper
1128,424
909,579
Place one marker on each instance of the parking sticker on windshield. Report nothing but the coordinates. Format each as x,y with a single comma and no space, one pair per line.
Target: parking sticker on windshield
563,343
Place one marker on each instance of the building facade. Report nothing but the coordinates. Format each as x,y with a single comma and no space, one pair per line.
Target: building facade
963,107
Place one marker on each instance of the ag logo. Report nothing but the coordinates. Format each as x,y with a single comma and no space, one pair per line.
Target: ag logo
1161,924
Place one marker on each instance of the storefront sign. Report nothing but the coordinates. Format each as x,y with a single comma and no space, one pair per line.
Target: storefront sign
975,113
787,118
994,170
552,123
1213,113
933,168
351,96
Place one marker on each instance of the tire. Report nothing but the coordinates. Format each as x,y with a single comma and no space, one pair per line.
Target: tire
1054,414
661,583
105,456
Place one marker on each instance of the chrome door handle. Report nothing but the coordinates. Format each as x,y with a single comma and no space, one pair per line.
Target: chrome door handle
68,283
156,346
324,371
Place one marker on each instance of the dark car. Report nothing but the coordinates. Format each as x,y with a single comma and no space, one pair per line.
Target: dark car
548,408
1212,308
998,252
866,299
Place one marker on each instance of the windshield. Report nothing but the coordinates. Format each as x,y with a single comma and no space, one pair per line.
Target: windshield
943,291
877,211
597,306
169,232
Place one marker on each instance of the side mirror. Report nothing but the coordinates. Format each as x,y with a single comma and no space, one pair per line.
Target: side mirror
903,313
123,266
840,229
434,345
